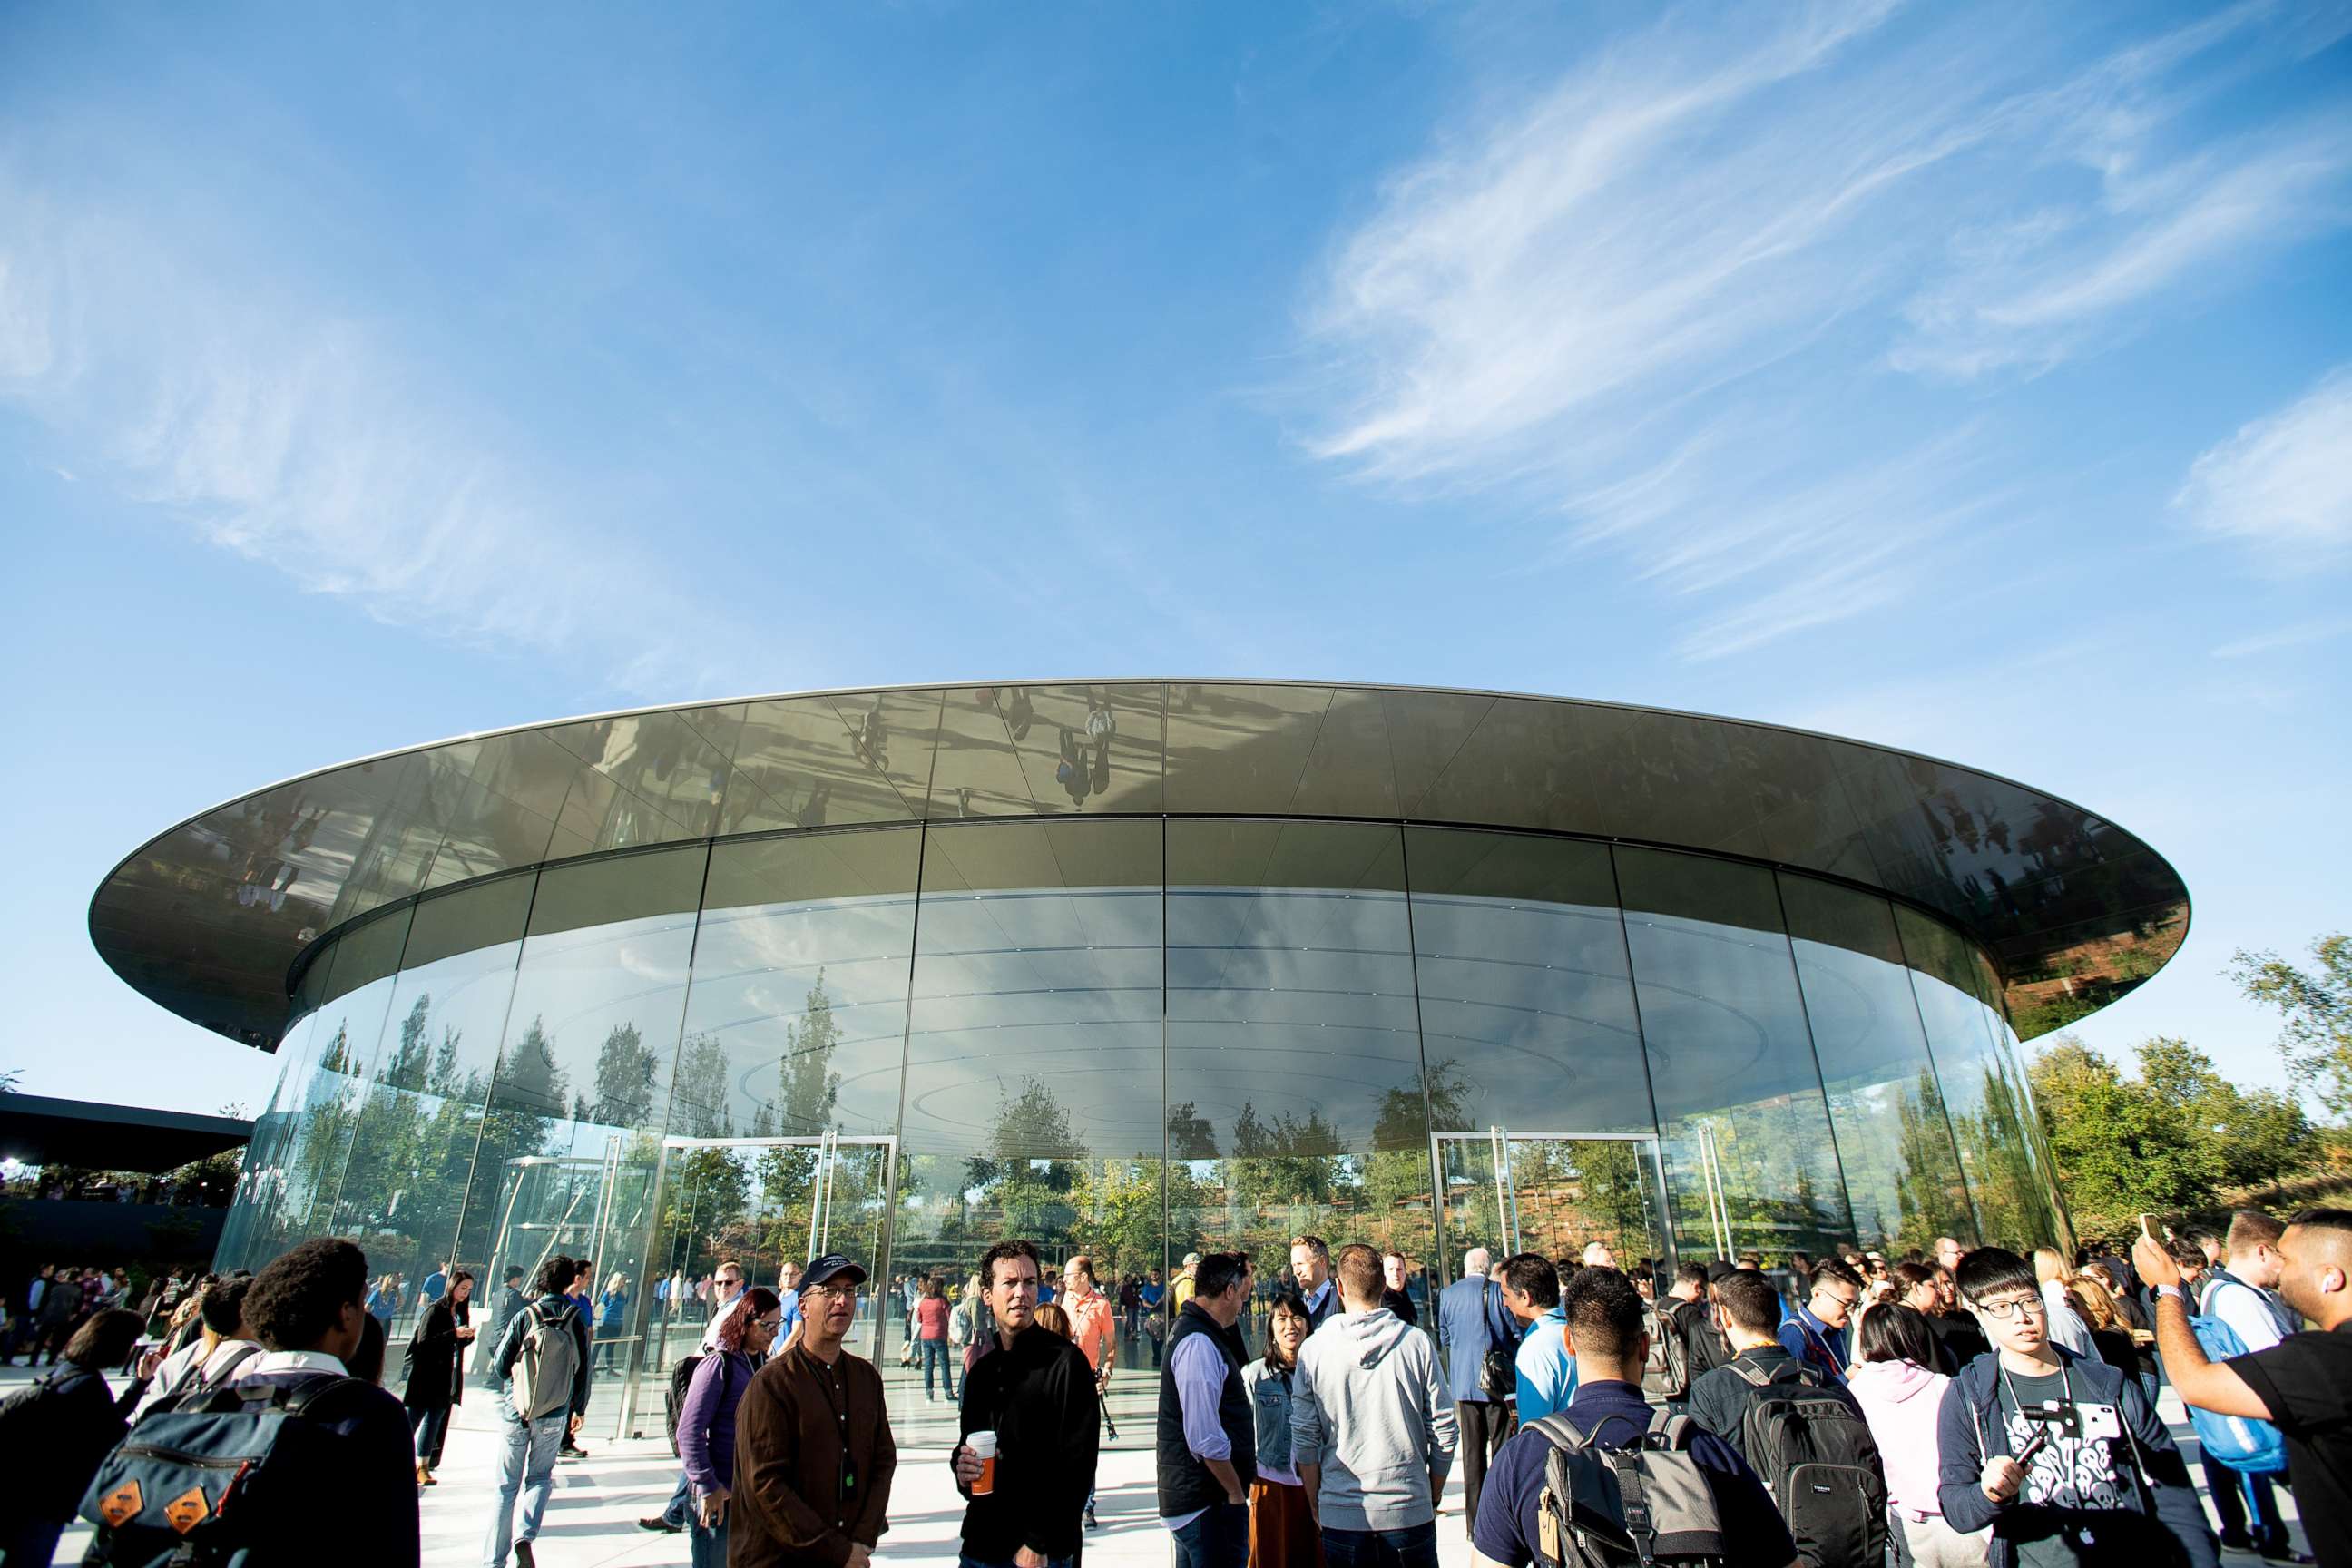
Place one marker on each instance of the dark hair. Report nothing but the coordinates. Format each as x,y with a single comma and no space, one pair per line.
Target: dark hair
1315,1245
1531,1274
513,1273
299,1298
753,1304
1719,1270
1893,1331
462,1277
104,1340
1289,1301
554,1276
1690,1274
1215,1273
932,1288
1834,1268
367,1362
1003,1250
1990,1268
1604,1314
1358,1272
2186,1253
1749,1301
221,1306
1913,1274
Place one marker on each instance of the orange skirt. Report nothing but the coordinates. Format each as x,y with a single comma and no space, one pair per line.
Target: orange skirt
1282,1533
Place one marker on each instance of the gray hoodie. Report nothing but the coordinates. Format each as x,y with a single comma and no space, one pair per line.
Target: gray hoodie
1370,1405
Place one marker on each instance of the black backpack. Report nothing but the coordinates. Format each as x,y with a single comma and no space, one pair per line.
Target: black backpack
1674,1348
1647,1503
241,1474
1819,1462
1498,1368
681,1377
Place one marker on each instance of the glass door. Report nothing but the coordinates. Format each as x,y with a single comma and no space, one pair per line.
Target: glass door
1552,1193
758,1202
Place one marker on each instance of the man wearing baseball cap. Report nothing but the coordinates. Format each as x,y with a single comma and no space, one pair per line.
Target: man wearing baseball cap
814,1455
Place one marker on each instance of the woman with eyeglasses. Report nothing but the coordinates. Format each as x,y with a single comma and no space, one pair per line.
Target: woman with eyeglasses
705,1421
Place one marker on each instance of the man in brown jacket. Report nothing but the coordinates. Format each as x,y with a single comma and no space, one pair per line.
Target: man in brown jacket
813,1451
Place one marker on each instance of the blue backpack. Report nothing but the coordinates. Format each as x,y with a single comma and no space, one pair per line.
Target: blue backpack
241,1476
2247,1446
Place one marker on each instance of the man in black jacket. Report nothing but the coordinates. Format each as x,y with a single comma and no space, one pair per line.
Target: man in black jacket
1719,1401
1035,1391
1207,1442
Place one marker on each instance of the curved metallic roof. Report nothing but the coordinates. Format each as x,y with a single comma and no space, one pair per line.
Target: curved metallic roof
207,918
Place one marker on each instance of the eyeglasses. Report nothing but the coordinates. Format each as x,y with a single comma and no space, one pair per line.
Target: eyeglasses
2013,1308
772,1323
839,1292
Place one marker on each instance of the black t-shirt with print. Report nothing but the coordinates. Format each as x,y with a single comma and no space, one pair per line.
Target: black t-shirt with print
2305,1382
2081,1502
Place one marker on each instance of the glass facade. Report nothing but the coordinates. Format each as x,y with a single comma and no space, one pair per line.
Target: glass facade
1133,1035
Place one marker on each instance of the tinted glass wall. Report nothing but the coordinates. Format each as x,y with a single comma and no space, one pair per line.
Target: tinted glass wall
1133,1036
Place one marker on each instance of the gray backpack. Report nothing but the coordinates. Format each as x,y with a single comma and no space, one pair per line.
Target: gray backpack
548,1362
1645,1503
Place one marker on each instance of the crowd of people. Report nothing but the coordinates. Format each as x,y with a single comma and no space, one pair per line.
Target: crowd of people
1963,1406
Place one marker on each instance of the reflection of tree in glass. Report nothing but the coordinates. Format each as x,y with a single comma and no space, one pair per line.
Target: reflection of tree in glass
1031,1166
1190,1136
625,1067
699,1094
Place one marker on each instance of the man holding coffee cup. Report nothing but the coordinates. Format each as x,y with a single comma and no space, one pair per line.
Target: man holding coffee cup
1027,1425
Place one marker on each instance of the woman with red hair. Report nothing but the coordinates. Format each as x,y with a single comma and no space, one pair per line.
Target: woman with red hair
705,1421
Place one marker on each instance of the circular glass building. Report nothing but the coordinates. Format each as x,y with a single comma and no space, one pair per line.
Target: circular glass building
1134,969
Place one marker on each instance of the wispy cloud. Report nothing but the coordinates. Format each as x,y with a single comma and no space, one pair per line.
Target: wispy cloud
294,434
2283,485
1655,299
2302,634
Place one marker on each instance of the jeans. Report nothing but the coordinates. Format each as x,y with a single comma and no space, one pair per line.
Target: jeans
679,1513
706,1545
1412,1547
431,1428
526,1466
964,1562
1218,1539
934,1354
2230,1488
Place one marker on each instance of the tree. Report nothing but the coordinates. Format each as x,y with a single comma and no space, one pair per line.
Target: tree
2316,1004
625,1067
2167,1140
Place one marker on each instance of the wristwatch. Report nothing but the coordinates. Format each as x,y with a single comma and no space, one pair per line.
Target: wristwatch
2175,1291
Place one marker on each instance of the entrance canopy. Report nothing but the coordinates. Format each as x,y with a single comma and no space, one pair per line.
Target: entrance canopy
38,1131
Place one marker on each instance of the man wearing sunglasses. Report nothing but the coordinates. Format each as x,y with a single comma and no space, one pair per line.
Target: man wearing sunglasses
814,1455
2060,1454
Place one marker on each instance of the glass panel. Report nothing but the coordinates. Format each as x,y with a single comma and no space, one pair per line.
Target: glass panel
254,1221
1986,1099
758,1204
1477,1208
1238,747
798,765
2036,1141
1032,1064
1901,1170
1568,1192
669,780
343,1035
413,1144
1749,1161
1021,750
583,1083
1526,1005
796,1021
1294,1089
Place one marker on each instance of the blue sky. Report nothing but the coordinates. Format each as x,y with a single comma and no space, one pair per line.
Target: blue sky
1976,381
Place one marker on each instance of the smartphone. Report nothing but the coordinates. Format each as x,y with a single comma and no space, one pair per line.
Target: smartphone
2147,1229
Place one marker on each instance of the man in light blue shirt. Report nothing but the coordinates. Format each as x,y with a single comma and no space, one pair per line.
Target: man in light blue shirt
1547,1371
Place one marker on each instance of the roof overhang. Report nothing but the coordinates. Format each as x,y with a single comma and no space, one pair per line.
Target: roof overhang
39,1130
208,918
